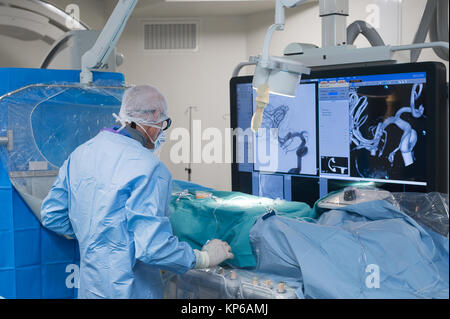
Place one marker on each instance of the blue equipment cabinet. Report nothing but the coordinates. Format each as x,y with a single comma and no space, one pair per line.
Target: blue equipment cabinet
35,262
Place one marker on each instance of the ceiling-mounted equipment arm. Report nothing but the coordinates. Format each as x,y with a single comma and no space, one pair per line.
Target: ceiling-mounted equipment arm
97,56
277,74
280,5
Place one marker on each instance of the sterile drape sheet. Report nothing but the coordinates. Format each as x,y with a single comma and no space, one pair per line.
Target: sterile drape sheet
229,216
369,250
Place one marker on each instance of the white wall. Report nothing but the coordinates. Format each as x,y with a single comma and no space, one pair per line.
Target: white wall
198,79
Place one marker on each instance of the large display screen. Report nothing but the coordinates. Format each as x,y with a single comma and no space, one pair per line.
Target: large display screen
371,127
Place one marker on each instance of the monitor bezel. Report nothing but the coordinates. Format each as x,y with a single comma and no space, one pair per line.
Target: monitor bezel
235,184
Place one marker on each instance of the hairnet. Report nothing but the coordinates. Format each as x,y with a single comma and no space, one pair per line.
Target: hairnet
143,104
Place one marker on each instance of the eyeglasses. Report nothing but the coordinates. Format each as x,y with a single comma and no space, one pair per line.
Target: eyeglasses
166,124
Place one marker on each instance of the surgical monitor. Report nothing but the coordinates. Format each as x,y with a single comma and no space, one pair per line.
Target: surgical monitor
384,126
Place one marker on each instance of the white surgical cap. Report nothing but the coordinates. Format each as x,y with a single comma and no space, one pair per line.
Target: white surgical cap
143,104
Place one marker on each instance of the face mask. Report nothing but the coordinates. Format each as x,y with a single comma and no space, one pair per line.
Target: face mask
159,144
159,140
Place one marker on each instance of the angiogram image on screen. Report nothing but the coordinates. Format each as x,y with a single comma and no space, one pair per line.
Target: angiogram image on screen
295,141
388,131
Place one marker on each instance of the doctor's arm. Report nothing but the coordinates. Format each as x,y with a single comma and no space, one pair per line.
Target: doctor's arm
54,209
154,241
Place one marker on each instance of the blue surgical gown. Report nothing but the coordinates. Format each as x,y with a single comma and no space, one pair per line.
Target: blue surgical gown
112,195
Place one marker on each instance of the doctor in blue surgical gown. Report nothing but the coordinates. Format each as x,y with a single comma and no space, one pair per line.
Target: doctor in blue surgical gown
112,195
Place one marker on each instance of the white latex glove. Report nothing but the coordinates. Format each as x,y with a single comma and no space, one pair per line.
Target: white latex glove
213,253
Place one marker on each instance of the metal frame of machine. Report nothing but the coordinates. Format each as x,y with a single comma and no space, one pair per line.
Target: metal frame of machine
335,51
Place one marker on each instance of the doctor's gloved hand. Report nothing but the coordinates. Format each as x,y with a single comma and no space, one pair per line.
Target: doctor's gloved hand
212,254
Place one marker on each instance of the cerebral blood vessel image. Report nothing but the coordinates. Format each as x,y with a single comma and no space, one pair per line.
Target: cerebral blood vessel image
292,141
378,135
